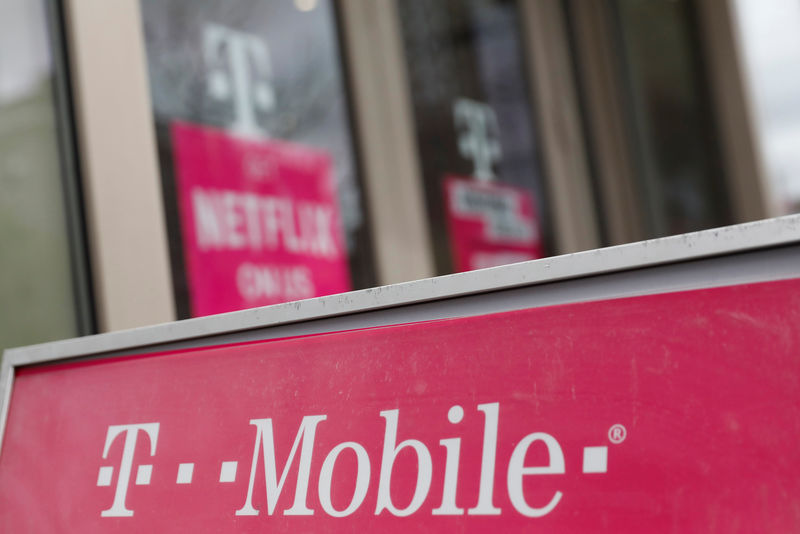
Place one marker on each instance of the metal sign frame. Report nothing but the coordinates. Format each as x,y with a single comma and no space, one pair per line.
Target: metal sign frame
754,252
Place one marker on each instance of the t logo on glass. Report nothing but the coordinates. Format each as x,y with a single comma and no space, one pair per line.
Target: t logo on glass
239,68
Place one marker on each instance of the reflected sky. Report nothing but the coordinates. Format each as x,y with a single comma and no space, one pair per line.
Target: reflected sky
770,31
24,48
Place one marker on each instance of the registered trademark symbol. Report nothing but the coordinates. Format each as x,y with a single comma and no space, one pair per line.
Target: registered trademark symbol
617,434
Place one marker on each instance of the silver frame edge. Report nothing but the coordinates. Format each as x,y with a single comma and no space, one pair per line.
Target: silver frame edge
717,242
683,247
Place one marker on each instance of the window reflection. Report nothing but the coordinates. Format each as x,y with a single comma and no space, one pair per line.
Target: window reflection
680,174
37,297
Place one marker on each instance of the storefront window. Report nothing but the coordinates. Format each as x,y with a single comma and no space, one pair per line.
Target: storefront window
40,296
475,136
260,178
263,196
674,140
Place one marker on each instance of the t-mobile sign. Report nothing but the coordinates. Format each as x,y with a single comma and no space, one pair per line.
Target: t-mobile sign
665,413
259,218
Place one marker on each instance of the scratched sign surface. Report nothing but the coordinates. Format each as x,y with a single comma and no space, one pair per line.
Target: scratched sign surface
665,413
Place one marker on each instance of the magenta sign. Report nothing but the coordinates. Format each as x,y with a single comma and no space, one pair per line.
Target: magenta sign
664,413
490,224
259,218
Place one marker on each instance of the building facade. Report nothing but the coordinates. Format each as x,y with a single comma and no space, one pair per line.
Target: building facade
161,160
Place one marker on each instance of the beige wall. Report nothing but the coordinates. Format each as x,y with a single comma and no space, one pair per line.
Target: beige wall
127,236
384,120
563,143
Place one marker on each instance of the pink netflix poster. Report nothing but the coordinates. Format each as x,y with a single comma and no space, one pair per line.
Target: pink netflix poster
490,224
260,221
